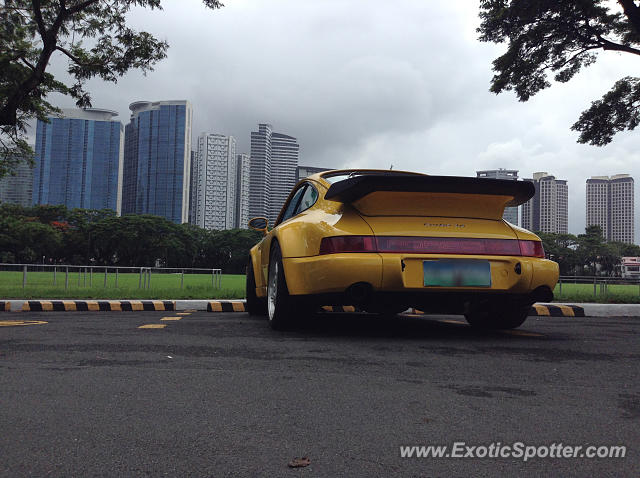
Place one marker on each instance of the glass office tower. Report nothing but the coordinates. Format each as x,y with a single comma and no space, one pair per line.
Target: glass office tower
157,160
79,160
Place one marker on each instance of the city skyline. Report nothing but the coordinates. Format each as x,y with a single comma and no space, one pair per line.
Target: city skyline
287,145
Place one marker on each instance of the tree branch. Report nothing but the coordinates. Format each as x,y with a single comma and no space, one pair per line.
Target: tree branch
80,6
39,21
73,58
28,63
609,45
632,12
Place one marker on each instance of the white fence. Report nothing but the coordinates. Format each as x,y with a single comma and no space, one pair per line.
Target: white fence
108,276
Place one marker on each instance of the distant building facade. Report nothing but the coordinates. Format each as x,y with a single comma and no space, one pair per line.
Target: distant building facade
18,188
548,209
273,163
510,213
79,159
306,171
610,205
242,190
157,160
215,182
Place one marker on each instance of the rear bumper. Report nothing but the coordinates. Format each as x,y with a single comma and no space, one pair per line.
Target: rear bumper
399,274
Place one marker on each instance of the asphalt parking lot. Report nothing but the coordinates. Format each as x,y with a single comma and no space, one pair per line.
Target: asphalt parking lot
220,394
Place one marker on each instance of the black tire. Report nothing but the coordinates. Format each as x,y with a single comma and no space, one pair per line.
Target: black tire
255,305
498,318
279,304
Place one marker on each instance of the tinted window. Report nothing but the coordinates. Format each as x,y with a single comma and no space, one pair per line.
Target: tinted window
308,199
291,207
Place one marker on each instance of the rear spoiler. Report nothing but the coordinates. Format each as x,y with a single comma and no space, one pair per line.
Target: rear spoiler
351,189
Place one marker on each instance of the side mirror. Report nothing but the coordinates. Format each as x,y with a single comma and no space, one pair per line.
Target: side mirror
259,224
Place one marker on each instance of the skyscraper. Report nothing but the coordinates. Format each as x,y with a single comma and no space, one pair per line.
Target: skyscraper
79,160
157,160
273,163
215,182
548,209
242,191
510,213
610,202
306,171
18,188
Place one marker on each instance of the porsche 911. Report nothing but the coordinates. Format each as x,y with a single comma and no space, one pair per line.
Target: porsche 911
386,241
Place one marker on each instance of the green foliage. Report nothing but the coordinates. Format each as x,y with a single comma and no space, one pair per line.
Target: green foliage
94,37
550,38
99,237
588,253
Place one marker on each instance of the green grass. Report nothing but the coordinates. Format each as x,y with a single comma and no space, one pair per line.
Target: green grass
615,294
163,286
198,286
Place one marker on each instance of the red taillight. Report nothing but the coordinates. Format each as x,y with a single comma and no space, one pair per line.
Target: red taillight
431,245
531,249
449,245
332,245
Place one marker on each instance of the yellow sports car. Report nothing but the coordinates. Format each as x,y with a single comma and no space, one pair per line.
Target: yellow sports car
385,241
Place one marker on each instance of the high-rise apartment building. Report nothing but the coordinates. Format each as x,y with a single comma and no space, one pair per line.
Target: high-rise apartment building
18,188
610,203
510,213
273,163
306,171
79,160
215,181
548,209
242,191
157,158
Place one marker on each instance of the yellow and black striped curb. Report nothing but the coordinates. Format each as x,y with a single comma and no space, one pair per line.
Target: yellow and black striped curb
547,310
226,306
557,310
89,305
536,310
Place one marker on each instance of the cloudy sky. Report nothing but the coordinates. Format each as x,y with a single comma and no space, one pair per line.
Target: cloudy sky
370,83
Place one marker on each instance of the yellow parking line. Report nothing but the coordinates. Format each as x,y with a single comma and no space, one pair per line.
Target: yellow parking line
153,326
14,323
453,322
522,333
183,313
171,318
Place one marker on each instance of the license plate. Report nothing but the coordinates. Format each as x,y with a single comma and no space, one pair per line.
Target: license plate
457,273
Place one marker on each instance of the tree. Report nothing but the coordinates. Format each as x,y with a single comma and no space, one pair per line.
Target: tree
559,38
32,31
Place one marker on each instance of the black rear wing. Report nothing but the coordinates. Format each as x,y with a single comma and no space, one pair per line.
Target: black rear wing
351,189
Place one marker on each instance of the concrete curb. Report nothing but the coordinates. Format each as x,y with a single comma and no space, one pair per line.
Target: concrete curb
540,310
86,305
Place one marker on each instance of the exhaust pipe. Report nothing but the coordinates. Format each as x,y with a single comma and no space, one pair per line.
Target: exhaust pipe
359,293
542,294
